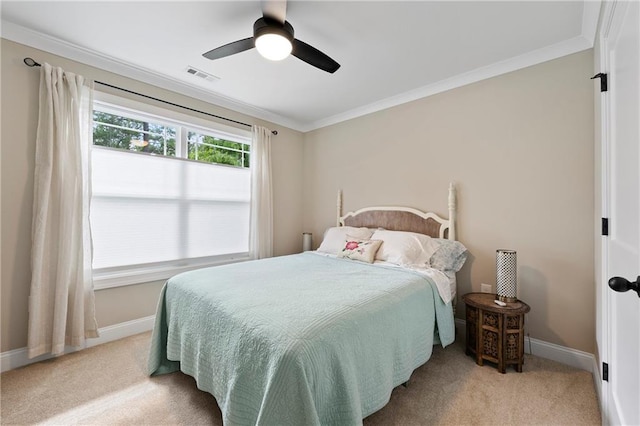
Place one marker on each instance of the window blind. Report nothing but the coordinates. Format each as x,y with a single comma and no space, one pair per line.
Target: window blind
150,209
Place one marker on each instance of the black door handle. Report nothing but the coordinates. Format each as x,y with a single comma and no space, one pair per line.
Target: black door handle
621,285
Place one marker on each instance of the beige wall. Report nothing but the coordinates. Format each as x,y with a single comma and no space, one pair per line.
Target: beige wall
520,148
19,120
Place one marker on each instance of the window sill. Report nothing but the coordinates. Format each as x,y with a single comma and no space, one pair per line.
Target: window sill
130,276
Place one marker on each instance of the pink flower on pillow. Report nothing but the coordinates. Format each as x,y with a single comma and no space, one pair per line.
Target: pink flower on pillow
351,245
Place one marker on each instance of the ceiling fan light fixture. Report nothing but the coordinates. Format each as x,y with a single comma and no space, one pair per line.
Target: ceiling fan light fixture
274,39
273,46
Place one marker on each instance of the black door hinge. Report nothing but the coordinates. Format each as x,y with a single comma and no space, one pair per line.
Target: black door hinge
603,81
605,371
605,226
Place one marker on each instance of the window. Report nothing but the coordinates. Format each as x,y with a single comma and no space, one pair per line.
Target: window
211,149
170,193
123,131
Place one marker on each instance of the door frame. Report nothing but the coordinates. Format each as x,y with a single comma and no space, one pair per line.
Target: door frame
609,24
603,344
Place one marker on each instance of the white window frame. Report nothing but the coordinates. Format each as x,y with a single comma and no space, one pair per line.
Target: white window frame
143,273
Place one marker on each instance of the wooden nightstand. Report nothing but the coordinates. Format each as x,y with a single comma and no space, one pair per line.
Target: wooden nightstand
495,333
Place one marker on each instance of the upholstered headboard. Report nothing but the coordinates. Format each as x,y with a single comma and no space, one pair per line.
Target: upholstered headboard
402,218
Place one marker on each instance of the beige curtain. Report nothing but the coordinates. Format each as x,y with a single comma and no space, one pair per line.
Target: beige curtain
261,213
61,303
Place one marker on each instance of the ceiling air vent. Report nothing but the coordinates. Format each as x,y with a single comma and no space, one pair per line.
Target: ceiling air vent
203,75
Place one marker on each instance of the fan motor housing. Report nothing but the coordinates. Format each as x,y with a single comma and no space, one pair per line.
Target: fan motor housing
271,26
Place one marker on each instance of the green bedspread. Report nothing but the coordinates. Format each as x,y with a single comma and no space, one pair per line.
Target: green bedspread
298,340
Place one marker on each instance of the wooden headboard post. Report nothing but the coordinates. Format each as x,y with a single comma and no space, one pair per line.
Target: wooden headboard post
452,211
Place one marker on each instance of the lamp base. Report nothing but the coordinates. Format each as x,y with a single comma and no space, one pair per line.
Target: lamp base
507,299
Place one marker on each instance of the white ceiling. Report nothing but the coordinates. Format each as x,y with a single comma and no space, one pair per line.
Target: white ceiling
390,52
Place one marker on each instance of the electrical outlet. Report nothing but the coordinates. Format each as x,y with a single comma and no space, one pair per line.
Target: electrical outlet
485,288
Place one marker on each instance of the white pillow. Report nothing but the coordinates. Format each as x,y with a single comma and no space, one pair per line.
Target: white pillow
405,248
334,238
357,249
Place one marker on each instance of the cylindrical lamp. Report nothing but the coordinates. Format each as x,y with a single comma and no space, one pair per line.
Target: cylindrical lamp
306,241
506,275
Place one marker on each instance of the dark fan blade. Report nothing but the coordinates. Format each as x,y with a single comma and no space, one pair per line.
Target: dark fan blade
230,49
274,9
313,56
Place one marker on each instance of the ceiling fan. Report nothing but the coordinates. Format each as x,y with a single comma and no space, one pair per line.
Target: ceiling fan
273,38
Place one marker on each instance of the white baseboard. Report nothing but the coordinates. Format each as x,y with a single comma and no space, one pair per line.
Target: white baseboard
18,357
562,354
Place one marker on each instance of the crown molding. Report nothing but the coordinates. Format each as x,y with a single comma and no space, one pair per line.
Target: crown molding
558,50
591,13
590,17
56,46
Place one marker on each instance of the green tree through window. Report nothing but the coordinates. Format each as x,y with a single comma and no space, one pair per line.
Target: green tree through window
131,134
211,149
120,132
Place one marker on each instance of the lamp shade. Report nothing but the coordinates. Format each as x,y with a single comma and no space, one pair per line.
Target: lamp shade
506,275
307,239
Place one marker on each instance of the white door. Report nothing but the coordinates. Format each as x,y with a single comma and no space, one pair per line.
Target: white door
622,52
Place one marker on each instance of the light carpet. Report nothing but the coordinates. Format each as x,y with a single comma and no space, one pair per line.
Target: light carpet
107,385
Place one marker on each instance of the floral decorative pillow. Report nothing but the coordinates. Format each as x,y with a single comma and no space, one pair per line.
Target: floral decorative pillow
358,249
333,241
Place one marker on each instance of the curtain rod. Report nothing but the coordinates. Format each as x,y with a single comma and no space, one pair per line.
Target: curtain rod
31,63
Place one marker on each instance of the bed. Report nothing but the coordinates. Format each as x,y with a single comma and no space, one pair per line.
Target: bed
311,338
